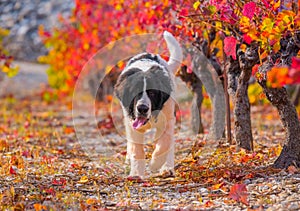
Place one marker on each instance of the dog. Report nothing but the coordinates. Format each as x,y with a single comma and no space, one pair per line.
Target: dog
146,89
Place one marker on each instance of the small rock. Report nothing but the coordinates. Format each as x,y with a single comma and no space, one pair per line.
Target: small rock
17,5
203,191
294,206
23,30
7,8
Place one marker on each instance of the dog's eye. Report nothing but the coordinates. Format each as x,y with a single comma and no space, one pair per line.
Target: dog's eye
151,93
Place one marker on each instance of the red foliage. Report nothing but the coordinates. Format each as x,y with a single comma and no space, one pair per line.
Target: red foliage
249,10
93,24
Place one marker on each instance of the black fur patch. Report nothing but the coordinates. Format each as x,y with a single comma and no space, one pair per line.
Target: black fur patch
129,88
144,56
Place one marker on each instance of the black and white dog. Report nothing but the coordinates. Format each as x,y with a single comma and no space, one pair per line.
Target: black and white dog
145,89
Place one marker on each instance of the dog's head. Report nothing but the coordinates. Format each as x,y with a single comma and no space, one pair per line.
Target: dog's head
143,93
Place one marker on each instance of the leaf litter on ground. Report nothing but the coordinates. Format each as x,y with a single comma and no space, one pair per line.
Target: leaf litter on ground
43,166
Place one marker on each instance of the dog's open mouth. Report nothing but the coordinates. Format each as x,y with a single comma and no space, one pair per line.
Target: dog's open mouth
139,122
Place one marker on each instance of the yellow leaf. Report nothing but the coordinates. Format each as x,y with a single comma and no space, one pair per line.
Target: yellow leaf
196,5
10,71
276,4
252,99
276,47
86,46
267,24
84,179
118,7
278,150
244,24
108,68
5,69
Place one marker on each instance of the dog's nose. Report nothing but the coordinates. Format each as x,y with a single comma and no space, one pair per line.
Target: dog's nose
142,109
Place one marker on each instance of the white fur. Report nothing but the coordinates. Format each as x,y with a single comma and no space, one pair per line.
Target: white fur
144,100
175,50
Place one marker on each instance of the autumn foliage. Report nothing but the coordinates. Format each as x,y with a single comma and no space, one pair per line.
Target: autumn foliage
93,24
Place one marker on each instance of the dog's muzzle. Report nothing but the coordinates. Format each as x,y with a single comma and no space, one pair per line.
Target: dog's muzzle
142,116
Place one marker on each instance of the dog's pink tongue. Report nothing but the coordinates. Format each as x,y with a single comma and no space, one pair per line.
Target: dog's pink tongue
138,122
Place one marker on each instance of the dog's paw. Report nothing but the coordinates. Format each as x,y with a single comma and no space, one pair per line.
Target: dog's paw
164,174
167,172
156,163
137,167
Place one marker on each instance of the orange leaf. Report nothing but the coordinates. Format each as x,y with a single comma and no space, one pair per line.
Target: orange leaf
39,207
292,169
217,186
91,201
69,130
278,77
3,145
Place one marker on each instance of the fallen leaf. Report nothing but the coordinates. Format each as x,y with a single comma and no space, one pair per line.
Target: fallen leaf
292,169
135,179
83,179
91,201
13,170
39,207
238,192
69,130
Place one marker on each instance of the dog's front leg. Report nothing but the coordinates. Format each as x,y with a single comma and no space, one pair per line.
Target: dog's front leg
135,151
163,154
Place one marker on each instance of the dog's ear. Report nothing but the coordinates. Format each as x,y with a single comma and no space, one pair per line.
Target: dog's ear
124,85
157,79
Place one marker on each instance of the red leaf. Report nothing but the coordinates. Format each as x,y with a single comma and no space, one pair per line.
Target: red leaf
26,153
60,181
106,123
135,179
294,71
13,170
255,69
249,10
184,12
247,38
295,63
238,192
266,3
230,47
50,191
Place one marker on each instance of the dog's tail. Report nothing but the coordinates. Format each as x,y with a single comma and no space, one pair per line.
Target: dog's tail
175,51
